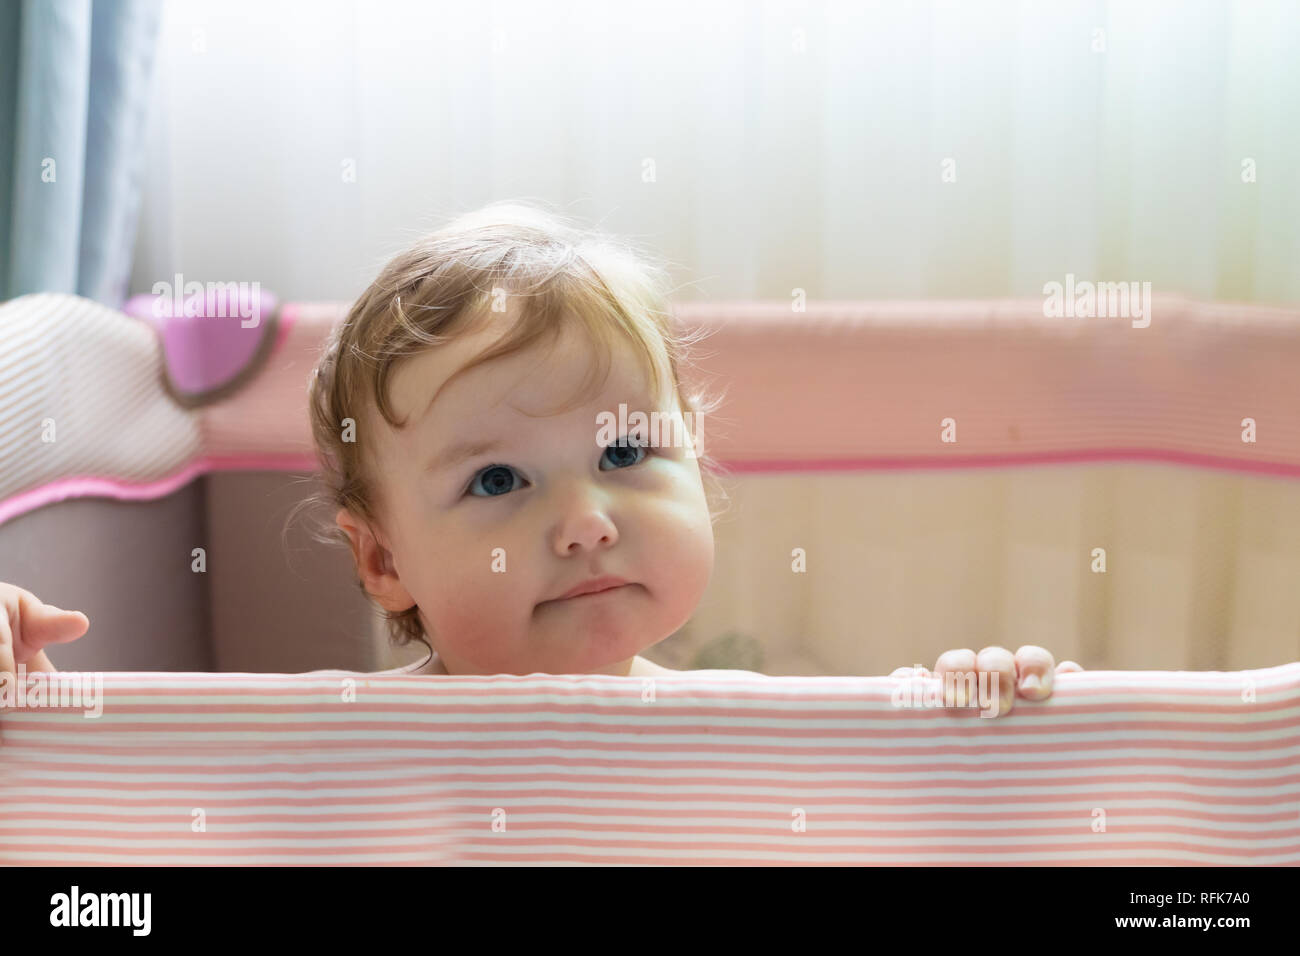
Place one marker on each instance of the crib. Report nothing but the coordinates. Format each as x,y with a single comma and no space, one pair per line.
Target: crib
955,474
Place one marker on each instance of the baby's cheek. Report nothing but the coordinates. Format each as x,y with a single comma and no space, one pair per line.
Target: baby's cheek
476,629
477,611
683,554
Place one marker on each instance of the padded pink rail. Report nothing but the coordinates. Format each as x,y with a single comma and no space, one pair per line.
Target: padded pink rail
864,385
842,386
1137,767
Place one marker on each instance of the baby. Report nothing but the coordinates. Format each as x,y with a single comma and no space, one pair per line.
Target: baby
461,414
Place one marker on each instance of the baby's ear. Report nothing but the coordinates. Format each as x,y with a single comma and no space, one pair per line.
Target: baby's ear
374,563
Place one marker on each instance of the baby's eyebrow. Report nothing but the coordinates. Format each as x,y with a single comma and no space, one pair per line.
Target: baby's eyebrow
453,455
460,451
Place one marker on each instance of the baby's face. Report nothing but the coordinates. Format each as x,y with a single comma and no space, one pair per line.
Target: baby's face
486,545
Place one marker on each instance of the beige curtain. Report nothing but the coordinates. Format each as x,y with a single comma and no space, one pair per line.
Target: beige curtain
1202,570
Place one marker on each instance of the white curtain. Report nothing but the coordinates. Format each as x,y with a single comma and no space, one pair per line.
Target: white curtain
852,150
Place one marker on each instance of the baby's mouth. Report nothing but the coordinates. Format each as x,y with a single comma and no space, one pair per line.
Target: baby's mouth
610,593
600,593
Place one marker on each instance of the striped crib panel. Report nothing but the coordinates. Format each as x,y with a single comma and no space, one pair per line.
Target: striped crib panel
1117,768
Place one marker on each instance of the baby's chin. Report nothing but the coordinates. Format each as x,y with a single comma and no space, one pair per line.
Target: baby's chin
587,634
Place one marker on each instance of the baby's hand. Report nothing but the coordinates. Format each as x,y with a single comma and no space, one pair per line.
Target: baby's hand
1029,672
26,626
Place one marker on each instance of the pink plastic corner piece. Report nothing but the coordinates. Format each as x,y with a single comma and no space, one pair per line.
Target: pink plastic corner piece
207,338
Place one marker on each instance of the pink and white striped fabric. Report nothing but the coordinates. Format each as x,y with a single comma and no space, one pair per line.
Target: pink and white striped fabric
1118,767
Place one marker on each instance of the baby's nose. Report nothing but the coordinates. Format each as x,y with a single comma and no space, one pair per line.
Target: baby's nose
585,524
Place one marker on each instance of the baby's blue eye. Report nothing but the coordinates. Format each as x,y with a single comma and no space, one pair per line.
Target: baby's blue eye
624,445
500,483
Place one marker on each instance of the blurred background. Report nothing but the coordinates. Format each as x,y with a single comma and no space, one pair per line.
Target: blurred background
856,151
760,146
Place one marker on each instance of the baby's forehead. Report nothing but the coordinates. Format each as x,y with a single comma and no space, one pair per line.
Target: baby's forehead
539,380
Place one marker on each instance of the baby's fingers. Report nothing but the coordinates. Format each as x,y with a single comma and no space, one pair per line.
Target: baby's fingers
8,669
1067,666
961,680
998,662
40,624
958,663
917,671
40,663
1035,667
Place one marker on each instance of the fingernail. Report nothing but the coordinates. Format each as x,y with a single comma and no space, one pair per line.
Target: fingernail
1032,682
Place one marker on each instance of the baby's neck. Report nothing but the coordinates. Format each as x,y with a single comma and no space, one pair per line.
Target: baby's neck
636,667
